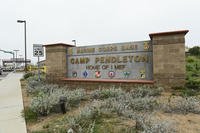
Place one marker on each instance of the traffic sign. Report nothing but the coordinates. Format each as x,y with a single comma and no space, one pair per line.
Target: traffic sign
38,50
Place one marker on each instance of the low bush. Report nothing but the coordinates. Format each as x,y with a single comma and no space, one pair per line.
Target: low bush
126,104
48,99
189,92
33,84
42,104
190,59
29,115
184,91
104,93
29,74
85,120
140,91
182,105
195,51
193,84
193,73
143,104
147,123
143,91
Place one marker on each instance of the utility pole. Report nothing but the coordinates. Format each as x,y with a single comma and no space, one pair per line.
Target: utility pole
16,58
24,21
74,42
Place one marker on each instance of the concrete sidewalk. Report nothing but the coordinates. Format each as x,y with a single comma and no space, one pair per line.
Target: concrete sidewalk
11,105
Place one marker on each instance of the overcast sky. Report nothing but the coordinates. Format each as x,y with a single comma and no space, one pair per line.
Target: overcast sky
94,21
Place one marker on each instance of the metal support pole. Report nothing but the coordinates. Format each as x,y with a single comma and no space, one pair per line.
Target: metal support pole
38,67
16,61
24,21
16,58
25,45
74,42
13,62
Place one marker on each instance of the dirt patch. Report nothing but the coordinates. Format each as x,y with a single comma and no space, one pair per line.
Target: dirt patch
188,123
114,124
26,97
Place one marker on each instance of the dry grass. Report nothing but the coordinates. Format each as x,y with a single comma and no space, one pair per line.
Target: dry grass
26,97
188,123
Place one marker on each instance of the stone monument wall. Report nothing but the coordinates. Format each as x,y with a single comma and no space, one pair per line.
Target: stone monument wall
56,62
169,58
164,64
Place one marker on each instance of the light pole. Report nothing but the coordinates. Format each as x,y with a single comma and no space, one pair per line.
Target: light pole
16,58
74,42
24,21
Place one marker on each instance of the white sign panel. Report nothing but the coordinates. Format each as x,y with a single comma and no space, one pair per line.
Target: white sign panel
38,50
129,60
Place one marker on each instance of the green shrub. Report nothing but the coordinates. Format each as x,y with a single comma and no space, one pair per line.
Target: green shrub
195,51
29,115
29,74
190,59
185,91
193,84
188,92
189,67
46,126
193,63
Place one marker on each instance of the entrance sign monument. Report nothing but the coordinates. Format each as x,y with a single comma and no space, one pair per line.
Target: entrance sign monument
159,61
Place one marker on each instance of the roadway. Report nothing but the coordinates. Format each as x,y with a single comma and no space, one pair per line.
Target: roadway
4,74
11,104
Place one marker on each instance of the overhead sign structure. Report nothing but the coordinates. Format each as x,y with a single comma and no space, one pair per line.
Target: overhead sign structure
38,50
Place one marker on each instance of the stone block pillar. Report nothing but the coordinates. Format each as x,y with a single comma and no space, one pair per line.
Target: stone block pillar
56,61
169,58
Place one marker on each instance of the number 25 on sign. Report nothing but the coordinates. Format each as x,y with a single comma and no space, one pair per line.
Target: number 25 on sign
38,50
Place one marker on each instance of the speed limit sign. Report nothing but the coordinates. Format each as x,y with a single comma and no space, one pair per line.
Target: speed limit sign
38,50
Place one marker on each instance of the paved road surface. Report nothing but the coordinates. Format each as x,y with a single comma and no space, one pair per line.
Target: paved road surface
11,105
4,74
